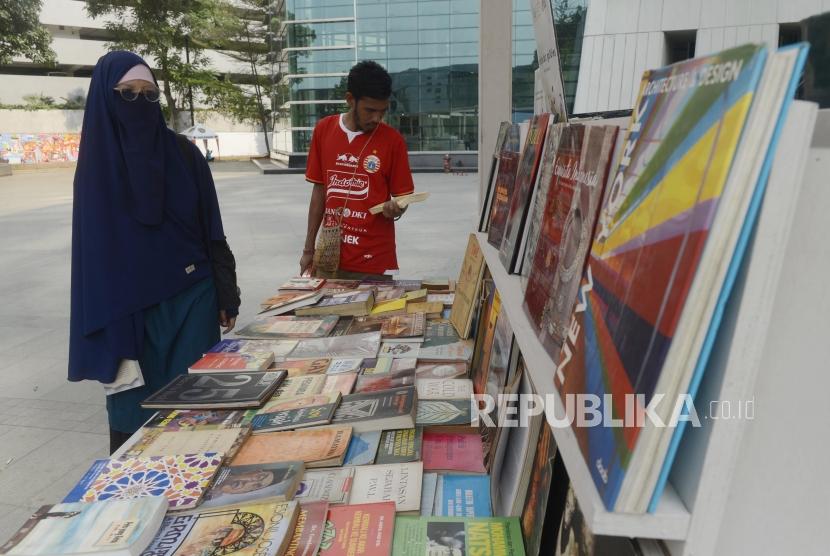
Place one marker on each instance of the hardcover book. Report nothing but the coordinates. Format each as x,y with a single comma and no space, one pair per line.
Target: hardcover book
363,346
397,482
468,288
160,442
657,265
326,485
200,419
108,527
280,327
388,409
251,529
295,413
308,533
181,479
453,452
416,536
359,530
399,446
319,447
522,191
251,361
355,303
247,483
463,496
216,390
362,448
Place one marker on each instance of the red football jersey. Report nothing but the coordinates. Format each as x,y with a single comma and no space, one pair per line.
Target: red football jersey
359,175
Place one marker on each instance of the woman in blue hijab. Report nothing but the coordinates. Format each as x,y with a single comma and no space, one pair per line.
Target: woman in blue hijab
152,274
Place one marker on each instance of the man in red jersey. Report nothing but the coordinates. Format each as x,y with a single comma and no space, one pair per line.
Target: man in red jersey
356,162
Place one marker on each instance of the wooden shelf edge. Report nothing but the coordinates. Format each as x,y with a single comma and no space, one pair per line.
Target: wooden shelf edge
671,520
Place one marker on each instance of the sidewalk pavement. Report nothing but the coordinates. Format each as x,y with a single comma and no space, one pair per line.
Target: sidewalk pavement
50,429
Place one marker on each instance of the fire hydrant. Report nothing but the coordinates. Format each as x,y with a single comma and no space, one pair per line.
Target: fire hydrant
447,163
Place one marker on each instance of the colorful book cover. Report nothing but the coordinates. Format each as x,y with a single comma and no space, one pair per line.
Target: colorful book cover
453,452
181,479
505,180
538,490
522,190
289,327
496,536
437,413
395,482
161,442
216,390
308,533
359,530
535,217
251,361
245,483
441,370
651,234
325,485
280,348
463,496
317,447
467,290
562,190
363,346
252,529
388,409
362,448
577,232
109,526
400,446
295,413
200,419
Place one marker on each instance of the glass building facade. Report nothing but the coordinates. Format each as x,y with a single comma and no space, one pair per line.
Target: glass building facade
430,48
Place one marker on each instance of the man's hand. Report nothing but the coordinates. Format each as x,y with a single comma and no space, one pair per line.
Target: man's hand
306,263
391,209
227,322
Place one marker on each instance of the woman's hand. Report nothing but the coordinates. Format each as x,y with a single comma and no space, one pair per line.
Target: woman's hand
227,322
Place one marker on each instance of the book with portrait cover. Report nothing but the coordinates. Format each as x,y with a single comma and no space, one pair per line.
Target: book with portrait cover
522,191
666,230
216,390
250,529
468,288
399,446
308,533
245,483
181,479
200,419
280,327
373,411
395,482
108,527
318,447
362,346
359,530
416,536
578,209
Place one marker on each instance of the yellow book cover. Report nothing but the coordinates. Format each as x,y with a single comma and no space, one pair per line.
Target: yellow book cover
316,447
467,288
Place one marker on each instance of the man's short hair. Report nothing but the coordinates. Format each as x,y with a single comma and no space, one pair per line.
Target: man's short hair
368,79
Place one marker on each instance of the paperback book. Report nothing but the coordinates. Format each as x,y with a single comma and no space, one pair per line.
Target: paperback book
363,346
468,288
295,413
396,482
160,442
280,348
308,533
216,390
362,448
200,419
326,485
250,361
463,496
388,409
281,327
400,446
416,536
318,447
355,303
453,452
241,484
359,530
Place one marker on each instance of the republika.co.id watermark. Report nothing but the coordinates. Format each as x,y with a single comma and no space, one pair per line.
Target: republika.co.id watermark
592,410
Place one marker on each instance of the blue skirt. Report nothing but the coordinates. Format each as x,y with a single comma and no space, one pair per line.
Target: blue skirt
177,332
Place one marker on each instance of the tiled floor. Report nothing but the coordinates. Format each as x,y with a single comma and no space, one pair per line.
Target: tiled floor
51,430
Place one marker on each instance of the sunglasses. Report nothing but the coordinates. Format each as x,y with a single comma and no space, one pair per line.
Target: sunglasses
130,95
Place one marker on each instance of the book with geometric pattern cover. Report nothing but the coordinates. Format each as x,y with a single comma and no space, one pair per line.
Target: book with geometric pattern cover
181,479
653,234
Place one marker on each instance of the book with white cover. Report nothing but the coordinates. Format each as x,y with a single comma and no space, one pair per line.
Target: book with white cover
396,482
327,485
444,388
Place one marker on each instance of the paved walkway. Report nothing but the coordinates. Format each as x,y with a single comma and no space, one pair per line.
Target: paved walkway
50,430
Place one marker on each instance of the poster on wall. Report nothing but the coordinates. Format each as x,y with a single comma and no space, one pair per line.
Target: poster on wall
548,56
39,148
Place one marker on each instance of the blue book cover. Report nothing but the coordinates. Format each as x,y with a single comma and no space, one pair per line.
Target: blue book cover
463,496
362,448
78,491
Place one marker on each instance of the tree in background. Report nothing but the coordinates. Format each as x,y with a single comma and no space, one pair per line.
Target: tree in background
21,33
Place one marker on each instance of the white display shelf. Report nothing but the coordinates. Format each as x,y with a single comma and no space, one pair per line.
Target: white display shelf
671,520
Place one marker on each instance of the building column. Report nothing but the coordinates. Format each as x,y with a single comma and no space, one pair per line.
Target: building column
495,81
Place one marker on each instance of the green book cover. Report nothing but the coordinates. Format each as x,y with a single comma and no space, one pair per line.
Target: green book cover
494,536
399,446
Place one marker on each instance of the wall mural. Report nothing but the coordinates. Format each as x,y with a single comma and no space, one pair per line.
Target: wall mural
39,148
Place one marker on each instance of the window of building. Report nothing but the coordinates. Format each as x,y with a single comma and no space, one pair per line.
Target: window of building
680,45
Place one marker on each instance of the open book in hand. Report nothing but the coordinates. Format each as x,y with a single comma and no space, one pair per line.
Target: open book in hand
403,201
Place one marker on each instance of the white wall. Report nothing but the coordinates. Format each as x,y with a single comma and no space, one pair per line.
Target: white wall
623,38
236,144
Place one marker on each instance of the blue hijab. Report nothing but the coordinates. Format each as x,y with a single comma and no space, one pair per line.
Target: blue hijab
141,223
